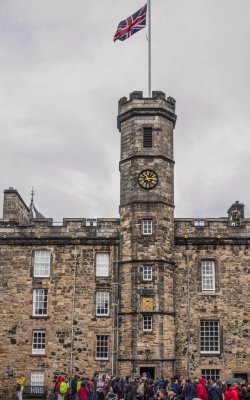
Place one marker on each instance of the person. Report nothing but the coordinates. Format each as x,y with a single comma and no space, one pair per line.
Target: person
111,395
201,391
216,391
234,392
19,392
83,392
171,395
227,393
189,390
60,396
73,387
246,394
162,395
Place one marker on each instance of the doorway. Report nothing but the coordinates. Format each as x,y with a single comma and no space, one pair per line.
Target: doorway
242,375
150,371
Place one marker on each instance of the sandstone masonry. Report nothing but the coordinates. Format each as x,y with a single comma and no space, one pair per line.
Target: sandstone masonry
145,292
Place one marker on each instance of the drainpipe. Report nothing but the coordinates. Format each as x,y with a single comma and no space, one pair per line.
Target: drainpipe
73,314
188,314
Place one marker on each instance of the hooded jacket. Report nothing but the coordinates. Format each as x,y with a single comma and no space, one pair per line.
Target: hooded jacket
201,391
234,393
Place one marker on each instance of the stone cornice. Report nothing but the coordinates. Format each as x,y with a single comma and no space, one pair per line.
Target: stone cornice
141,112
58,241
146,156
212,241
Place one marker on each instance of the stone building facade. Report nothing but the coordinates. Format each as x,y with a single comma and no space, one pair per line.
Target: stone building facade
145,292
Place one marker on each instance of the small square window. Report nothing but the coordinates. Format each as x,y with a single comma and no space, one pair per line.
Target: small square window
102,303
102,264
38,342
102,347
147,273
199,222
40,302
147,323
41,264
147,227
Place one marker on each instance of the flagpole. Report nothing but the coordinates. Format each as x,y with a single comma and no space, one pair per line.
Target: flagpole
149,48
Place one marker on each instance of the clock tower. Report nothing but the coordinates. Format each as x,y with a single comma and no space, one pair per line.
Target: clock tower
146,268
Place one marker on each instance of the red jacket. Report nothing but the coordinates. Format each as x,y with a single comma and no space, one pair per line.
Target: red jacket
234,393
227,395
201,391
83,393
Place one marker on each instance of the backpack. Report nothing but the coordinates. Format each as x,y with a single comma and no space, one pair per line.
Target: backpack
140,389
63,388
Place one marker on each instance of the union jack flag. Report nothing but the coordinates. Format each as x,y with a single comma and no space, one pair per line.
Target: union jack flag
131,25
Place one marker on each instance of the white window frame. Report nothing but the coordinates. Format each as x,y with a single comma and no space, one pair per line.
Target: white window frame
147,274
42,259
37,378
40,302
147,323
102,262
199,222
38,342
209,337
209,374
102,347
147,227
102,304
208,275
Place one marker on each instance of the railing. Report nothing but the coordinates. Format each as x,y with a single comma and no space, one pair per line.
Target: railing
39,392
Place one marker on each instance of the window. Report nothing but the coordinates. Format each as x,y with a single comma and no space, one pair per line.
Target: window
38,342
40,302
213,374
91,222
102,347
37,378
41,264
102,303
208,276
147,273
199,222
102,264
147,227
147,137
147,323
209,337
37,382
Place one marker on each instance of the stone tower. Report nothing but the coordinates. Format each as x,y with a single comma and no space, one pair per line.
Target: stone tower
146,287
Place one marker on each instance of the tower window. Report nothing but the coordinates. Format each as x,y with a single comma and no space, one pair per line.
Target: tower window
147,137
147,227
147,323
147,273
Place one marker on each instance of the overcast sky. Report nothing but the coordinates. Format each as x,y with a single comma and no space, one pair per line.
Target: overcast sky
61,76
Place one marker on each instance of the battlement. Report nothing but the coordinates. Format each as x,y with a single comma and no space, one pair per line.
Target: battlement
137,106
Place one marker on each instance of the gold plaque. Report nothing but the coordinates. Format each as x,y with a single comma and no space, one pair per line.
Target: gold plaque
147,304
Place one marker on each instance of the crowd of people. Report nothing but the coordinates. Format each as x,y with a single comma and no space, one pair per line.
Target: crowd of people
145,388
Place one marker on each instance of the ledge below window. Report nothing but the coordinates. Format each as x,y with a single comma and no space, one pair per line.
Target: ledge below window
39,317
219,293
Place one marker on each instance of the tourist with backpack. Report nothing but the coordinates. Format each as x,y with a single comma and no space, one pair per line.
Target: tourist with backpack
61,388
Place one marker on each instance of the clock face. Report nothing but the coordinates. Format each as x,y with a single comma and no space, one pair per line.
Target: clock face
148,179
